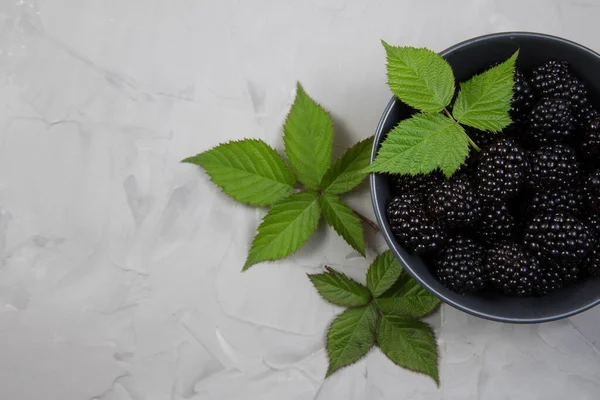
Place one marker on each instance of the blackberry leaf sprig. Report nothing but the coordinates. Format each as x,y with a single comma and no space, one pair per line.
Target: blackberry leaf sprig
252,172
384,313
434,138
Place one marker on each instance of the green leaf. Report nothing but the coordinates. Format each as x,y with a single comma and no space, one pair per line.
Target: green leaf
285,228
345,222
421,144
409,343
308,137
407,297
419,77
484,101
382,274
248,170
350,337
340,290
347,172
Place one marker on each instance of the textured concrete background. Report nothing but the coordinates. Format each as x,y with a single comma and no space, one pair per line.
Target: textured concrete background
119,274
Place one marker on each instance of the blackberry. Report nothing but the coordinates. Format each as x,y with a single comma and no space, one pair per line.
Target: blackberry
549,77
412,226
559,237
454,202
511,270
497,223
523,98
593,221
550,279
415,183
481,138
590,144
575,92
551,120
591,191
460,265
553,166
565,200
591,265
590,120
502,170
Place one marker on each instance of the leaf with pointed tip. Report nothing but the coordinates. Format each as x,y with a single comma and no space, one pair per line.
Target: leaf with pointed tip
340,290
308,138
383,273
248,170
286,227
350,337
407,297
347,171
345,222
409,343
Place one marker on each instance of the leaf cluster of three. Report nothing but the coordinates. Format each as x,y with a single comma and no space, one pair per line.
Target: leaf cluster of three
252,172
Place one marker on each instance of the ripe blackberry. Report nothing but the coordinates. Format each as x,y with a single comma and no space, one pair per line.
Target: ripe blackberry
412,226
454,202
552,200
559,237
415,183
481,138
550,279
593,221
502,170
523,97
497,223
549,77
551,120
553,166
591,265
512,270
575,92
590,144
460,265
591,191
590,119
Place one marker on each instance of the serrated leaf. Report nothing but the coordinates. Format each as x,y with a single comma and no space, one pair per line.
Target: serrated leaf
421,144
350,337
286,227
248,170
347,172
383,273
340,290
407,297
345,222
483,102
419,77
308,138
409,343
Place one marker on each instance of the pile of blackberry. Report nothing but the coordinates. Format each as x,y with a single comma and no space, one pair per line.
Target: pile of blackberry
521,218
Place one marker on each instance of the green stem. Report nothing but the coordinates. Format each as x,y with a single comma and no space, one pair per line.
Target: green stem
448,114
456,122
473,144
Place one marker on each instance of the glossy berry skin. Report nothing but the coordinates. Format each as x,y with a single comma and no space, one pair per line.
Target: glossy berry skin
460,265
497,223
591,265
551,121
454,203
553,200
523,98
559,237
502,170
591,191
549,77
550,279
420,184
593,221
553,166
590,144
512,271
412,226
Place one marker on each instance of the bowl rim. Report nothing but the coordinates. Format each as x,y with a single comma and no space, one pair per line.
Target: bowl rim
388,235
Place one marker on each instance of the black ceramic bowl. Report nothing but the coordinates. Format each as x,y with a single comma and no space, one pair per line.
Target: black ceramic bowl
468,58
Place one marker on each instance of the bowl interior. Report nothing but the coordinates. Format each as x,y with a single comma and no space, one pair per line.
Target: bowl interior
467,59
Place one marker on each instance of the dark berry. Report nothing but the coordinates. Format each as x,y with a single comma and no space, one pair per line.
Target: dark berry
553,166
591,265
548,78
593,221
553,200
420,184
454,202
590,143
558,237
497,223
460,265
502,170
523,97
412,226
550,121
591,191
512,270
550,279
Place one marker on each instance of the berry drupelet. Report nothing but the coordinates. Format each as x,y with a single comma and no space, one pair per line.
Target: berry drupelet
460,265
551,120
523,98
454,202
497,223
553,166
420,184
591,191
512,271
553,200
